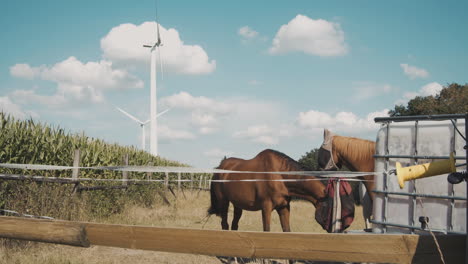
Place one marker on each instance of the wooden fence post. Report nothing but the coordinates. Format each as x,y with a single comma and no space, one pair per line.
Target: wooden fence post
200,182
191,181
149,175
166,181
76,163
76,171
125,173
178,180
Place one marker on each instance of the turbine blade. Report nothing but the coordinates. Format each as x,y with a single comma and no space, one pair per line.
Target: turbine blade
158,115
129,115
162,113
159,36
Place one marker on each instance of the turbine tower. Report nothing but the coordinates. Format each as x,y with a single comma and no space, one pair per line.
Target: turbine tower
153,95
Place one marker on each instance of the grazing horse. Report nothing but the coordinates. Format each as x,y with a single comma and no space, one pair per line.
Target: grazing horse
266,194
356,154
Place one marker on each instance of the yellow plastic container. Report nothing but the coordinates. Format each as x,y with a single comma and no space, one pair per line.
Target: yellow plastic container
424,170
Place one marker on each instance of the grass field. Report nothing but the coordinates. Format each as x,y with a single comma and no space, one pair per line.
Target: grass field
187,210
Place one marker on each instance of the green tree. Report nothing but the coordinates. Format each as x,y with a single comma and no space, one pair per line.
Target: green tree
309,160
452,99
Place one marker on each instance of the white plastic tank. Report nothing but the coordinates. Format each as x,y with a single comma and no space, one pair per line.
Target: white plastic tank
398,210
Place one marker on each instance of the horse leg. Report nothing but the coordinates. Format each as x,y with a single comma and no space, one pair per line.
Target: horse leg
370,185
366,204
224,214
235,222
266,216
367,197
283,213
237,217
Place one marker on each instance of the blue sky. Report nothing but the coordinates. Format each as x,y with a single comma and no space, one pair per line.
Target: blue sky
239,76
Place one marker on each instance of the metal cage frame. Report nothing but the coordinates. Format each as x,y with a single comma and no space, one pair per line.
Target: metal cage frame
386,121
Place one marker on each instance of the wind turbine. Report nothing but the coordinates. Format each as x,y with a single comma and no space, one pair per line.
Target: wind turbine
153,96
142,125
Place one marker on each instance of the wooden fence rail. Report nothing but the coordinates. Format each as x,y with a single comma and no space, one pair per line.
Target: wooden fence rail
204,183
385,248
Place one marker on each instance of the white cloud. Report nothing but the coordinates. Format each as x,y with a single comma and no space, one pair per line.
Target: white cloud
207,122
414,72
258,133
315,37
267,140
370,117
366,90
76,81
24,71
166,132
205,112
203,119
247,33
314,118
187,101
211,115
430,89
341,121
98,75
28,96
124,43
9,107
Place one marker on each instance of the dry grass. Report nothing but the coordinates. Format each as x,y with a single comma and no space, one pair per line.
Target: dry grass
188,210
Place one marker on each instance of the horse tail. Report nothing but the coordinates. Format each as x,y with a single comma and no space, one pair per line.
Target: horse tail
214,200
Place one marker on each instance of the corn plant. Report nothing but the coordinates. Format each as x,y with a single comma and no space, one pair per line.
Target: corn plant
30,142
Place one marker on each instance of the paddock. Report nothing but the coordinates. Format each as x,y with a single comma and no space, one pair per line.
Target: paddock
381,247
320,247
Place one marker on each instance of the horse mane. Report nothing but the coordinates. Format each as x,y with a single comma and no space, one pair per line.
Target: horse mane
356,148
287,161
221,163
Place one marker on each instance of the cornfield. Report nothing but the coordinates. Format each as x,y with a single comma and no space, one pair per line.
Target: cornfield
29,142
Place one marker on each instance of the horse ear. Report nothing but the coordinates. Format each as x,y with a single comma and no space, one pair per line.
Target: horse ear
327,134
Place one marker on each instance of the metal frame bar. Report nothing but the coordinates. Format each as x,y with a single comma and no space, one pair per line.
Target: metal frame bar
466,159
451,190
422,195
418,117
416,227
413,182
417,157
386,176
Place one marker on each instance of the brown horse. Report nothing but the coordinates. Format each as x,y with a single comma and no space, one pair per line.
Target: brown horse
355,153
268,195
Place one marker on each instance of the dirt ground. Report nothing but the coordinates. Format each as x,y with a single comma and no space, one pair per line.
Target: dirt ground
187,210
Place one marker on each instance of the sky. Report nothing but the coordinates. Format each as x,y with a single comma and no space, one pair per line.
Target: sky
238,77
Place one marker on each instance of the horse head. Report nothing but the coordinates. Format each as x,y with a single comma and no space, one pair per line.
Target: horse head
324,207
327,158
